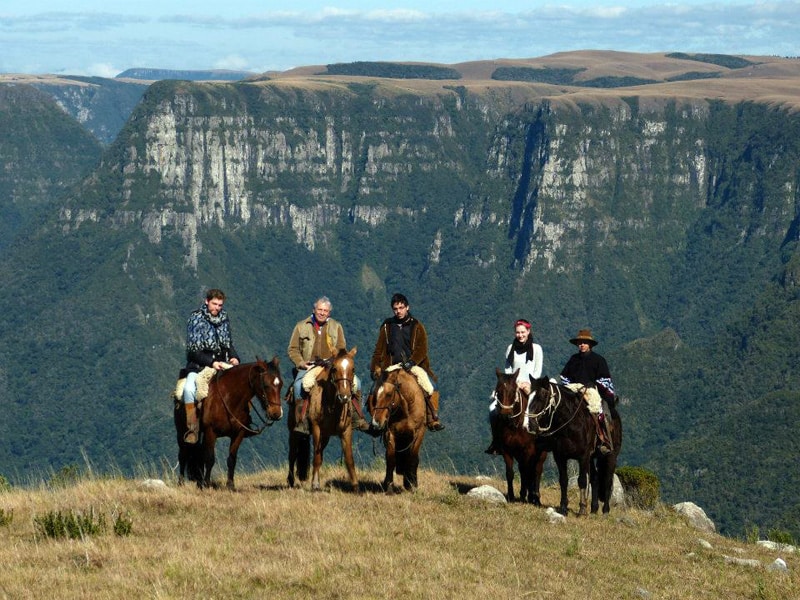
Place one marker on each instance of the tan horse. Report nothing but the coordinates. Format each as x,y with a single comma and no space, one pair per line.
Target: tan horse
329,413
398,407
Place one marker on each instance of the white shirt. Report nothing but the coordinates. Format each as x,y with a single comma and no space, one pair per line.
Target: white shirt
526,369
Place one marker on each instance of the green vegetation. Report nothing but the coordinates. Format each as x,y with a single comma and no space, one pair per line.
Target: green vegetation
392,70
615,82
553,75
73,525
642,487
693,75
722,60
6,517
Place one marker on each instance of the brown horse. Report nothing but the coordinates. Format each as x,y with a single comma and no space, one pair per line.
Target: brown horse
398,407
561,422
328,415
514,441
226,413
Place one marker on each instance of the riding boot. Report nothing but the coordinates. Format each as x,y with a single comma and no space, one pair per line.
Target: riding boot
432,412
494,446
605,442
606,427
359,422
190,437
301,412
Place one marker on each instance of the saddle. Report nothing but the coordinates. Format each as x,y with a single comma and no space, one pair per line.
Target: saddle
203,380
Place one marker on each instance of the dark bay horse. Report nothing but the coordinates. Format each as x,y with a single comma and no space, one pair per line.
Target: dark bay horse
328,415
560,420
514,440
398,408
225,412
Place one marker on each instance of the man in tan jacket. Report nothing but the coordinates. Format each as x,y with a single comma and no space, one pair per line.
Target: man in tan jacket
316,338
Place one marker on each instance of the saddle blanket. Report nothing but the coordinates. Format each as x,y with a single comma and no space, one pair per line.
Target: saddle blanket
203,379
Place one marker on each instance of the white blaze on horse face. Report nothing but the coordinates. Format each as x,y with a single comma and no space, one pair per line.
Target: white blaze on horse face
276,382
345,363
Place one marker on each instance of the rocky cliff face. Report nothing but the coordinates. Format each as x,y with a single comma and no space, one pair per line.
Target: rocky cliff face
668,224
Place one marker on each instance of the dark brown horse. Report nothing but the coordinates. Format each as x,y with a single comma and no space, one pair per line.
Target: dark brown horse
514,441
328,415
398,407
225,412
560,420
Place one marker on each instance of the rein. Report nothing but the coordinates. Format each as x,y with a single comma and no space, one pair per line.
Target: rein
260,393
552,407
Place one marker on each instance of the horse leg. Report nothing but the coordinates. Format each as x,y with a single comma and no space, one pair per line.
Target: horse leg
411,461
537,467
563,480
292,458
182,462
320,442
583,475
232,453
596,481
209,443
509,461
347,452
609,466
391,462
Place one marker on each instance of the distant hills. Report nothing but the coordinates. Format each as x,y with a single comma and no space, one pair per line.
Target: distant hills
189,75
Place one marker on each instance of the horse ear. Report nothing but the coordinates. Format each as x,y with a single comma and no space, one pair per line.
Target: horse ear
275,360
353,351
498,372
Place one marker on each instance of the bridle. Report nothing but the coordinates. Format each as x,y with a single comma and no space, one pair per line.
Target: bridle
517,399
260,388
555,397
394,397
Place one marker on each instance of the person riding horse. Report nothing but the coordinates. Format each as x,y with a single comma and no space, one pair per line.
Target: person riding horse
209,343
526,358
315,339
587,372
402,339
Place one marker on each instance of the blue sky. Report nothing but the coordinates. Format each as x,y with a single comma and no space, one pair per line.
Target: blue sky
103,38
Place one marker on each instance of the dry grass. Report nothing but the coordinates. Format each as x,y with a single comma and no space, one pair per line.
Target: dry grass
268,540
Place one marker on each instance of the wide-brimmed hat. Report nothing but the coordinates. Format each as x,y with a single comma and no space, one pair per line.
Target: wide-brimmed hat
584,335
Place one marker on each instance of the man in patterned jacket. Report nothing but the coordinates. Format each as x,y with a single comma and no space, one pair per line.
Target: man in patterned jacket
209,343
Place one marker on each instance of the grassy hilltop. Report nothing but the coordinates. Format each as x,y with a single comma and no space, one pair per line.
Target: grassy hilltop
267,540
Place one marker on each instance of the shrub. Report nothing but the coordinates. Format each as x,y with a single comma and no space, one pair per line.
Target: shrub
6,517
4,484
780,536
123,526
72,525
642,487
65,476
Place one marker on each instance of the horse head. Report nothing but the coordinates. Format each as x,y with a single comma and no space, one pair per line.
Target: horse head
384,401
268,387
542,404
507,394
341,373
